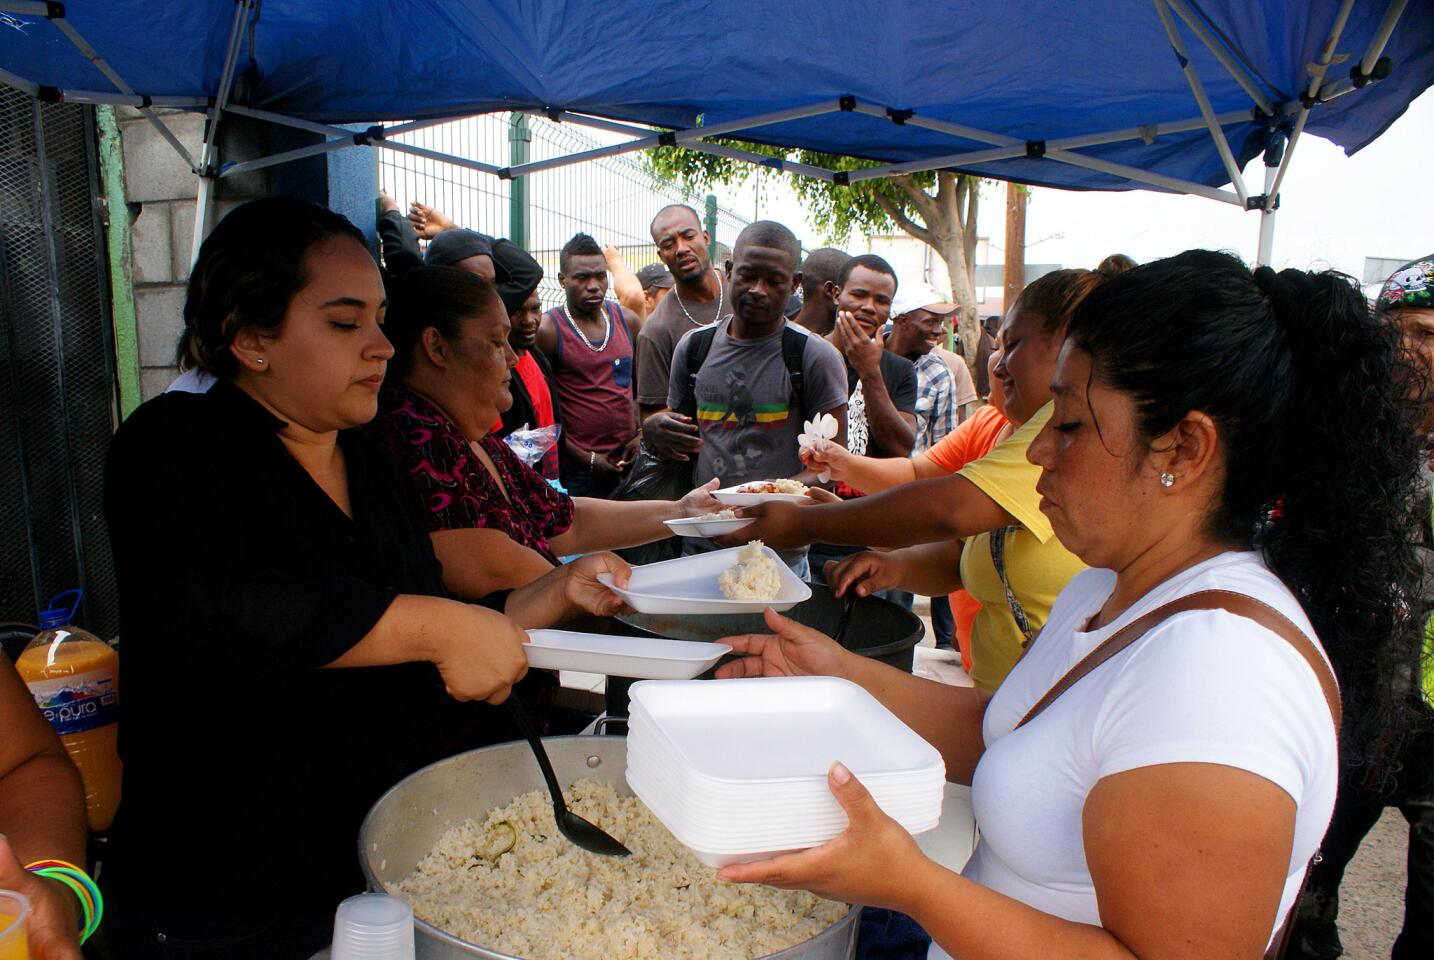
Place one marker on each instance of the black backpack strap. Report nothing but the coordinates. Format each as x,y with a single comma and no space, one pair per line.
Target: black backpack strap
794,347
697,352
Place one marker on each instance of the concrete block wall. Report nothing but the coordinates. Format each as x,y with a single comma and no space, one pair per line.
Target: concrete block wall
160,189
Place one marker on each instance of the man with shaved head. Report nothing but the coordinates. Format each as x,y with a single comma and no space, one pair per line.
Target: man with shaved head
698,298
820,273
751,379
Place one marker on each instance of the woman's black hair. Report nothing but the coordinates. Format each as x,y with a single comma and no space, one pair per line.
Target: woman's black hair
249,269
1310,393
437,297
1054,296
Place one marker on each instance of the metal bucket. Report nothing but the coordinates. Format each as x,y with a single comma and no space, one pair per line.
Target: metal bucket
408,821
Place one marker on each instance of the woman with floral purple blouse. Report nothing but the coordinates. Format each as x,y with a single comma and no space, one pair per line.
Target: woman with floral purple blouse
495,523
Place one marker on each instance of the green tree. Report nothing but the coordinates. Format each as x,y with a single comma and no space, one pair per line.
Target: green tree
937,207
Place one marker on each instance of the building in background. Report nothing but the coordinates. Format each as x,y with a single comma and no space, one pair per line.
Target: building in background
914,260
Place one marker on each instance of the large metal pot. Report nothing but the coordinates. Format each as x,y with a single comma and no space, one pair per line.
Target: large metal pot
407,822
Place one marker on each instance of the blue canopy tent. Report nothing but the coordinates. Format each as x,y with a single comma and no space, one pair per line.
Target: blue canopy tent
1176,95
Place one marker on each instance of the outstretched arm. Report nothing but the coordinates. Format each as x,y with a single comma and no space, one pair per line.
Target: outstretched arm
625,285
924,511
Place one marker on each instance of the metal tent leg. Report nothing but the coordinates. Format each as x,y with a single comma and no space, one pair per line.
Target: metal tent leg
1265,251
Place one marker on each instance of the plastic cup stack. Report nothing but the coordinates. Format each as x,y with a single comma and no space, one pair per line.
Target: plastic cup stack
373,926
737,769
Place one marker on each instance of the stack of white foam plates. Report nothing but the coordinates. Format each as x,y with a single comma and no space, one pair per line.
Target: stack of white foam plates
737,769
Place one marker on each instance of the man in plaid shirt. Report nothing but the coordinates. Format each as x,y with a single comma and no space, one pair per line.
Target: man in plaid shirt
919,321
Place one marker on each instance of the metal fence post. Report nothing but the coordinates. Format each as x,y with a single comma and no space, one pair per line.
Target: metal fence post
519,136
710,209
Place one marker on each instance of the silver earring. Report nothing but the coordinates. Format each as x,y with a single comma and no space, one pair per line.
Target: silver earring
1167,479
260,362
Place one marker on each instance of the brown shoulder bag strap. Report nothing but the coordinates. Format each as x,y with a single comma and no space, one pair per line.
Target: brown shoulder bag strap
1236,603
1242,606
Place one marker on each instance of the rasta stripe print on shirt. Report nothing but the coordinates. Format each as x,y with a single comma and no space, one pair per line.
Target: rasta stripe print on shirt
730,417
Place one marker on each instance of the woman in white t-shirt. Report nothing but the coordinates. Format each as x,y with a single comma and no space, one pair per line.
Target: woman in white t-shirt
1213,430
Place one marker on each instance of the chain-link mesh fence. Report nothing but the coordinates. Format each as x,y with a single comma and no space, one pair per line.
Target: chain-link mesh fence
612,198
57,388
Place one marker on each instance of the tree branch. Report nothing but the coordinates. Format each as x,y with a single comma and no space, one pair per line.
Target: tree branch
904,222
949,195
921,200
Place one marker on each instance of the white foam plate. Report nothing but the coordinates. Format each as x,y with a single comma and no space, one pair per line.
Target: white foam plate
697,527
689,585
776,729
734,498
644,657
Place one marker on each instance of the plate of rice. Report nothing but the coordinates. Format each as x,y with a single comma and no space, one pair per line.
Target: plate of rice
762,491
708,525
746,579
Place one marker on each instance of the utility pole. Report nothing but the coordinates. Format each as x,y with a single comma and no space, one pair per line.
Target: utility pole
519,136
1015,243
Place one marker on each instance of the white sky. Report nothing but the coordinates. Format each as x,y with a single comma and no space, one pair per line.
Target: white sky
1335,210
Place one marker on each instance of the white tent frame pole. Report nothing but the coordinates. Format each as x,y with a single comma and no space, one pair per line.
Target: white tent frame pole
1266,248
1339,88
1010,148
1192,77
32,89
715,149
137,101
204,195
93,56
412,125
27,87
680,137
226,82
1212,43
761,120
1392,13
597,123
313,150
1142,176
940,126
480,166
596,153
322,129
1316,79
967,158
1148,133
762,160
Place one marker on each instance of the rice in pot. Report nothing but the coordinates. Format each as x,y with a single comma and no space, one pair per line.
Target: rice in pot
544,899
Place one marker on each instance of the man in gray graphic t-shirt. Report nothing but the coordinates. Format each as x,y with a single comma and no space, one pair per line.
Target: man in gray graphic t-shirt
742,397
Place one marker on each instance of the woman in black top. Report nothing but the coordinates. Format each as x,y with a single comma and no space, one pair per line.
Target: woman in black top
287,636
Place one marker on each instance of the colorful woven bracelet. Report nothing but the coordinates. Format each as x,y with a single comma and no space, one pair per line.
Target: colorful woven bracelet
92,903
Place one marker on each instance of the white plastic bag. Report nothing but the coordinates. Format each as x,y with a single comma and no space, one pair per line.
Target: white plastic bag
530,445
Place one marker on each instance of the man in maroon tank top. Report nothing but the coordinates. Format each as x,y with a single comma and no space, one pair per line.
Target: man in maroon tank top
588,340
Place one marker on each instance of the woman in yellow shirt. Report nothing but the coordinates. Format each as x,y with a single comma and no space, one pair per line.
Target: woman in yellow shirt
958,519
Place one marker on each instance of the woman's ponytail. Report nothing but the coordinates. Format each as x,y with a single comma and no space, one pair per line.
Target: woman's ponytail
1311,393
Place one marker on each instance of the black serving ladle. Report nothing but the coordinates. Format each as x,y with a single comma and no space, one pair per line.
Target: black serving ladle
582,833
848,602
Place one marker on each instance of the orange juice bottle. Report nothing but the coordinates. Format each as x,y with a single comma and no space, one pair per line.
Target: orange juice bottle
73,676
13,911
